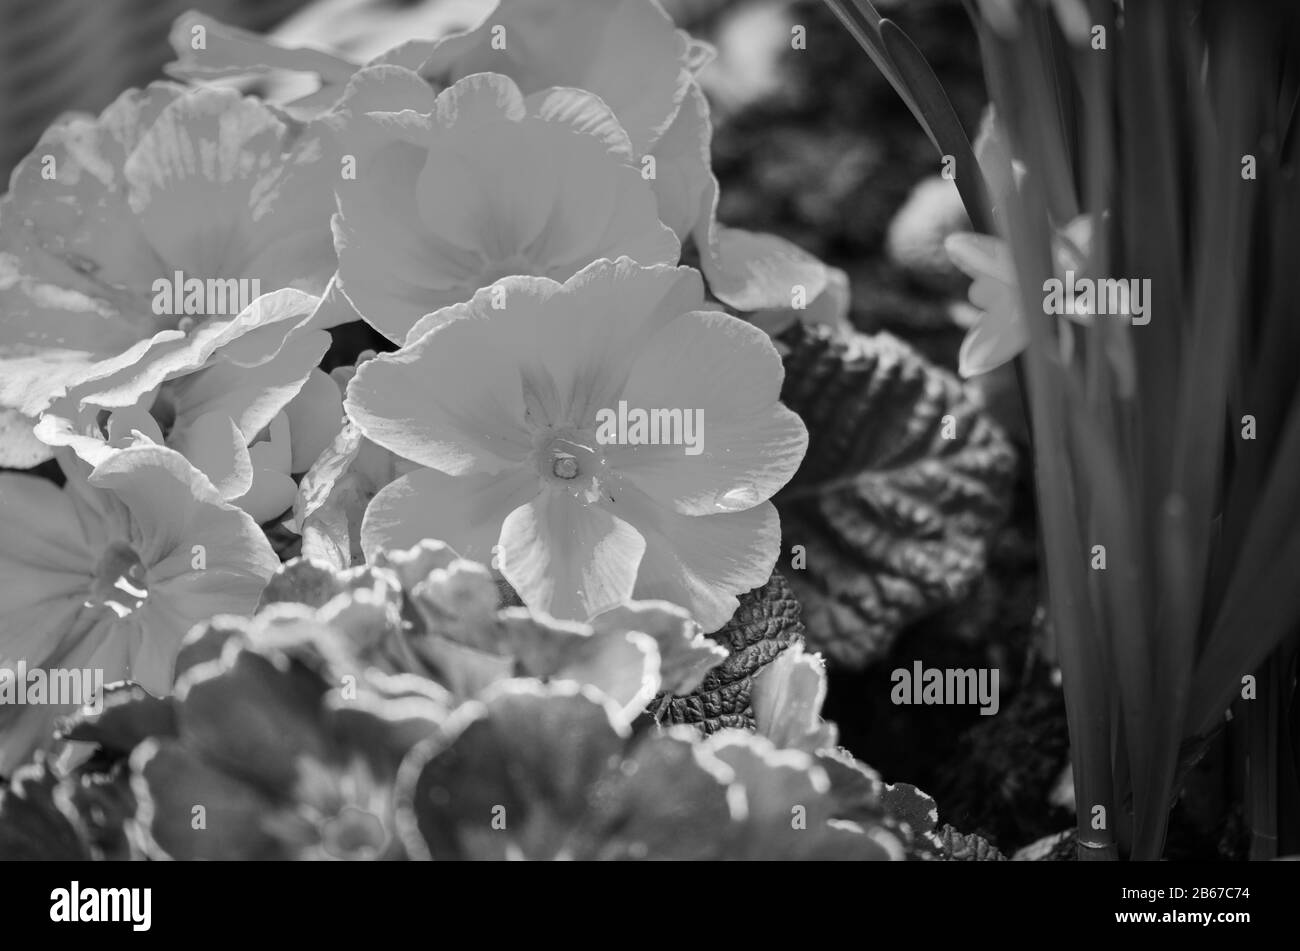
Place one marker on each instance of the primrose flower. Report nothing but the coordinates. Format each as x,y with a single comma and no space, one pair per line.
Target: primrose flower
630,55
512,410
477,183
111,573
245,420
627,52
289,764
129,241
333,495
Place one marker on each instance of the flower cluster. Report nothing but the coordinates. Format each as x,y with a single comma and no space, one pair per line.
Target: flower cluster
503,212
398,711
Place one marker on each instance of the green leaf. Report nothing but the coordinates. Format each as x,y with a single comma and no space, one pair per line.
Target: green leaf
765,624
892,519
929,103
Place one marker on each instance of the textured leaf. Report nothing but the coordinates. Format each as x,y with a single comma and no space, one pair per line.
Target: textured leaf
765,624
908,804
953,846
893,517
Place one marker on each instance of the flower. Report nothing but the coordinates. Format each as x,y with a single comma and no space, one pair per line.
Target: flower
477,183
197,198
112,571
629,53
268,733
501,406
333,496
246,421
631,56
573,781
999,332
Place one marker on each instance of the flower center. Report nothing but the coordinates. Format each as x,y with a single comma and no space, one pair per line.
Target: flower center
120,584
572,461
354,833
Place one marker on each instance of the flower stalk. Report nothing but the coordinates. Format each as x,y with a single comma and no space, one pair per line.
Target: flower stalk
1165,523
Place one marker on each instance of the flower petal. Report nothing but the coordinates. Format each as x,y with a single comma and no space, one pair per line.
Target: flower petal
569,559
220,182
466,511
214,444
980,255
452,400
575,344
123,379
228,51
53,559
251,396
683,165
55,325
702,563
628,52
315,418
998,338
19,447
169,779
177,515
742,462
80,213
711,360
484,187
726,374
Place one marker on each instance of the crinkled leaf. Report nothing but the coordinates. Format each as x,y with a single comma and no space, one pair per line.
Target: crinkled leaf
953,846
908,804
766,623
904,481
